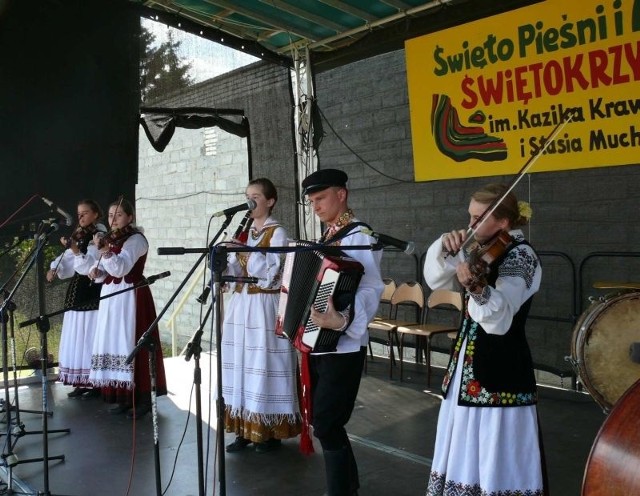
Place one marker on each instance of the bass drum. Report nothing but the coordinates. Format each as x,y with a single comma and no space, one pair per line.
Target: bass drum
612,467
601,344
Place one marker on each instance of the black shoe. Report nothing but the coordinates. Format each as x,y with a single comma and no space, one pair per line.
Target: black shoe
77,392
91,393
139,411
238,445
269,445
118,408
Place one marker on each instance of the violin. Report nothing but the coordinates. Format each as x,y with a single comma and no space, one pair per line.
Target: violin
115,237
483,256
82,236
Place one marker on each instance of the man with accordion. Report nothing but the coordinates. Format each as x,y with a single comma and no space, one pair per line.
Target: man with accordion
335,375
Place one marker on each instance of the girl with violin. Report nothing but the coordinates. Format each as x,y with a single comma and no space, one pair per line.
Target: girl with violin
488,439
259,377
78,325
123,318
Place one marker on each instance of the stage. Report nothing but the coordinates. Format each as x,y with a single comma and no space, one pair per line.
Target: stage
392,430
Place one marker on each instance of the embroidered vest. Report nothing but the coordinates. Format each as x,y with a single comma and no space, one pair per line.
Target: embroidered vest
243,259
496,370
82,294
135,274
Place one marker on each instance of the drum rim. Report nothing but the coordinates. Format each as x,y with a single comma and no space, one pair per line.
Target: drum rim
581,334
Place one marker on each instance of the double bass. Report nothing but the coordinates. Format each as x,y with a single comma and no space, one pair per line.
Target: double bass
613,467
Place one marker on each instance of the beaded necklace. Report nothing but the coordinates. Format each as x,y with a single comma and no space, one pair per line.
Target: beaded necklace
344,219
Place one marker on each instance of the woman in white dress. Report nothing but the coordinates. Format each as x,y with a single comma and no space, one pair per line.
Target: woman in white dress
79,323
259,369
122,319
488,439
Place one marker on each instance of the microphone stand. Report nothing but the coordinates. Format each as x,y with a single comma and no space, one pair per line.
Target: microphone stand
42,322
218,265
43,326
145,340
194,348
7,316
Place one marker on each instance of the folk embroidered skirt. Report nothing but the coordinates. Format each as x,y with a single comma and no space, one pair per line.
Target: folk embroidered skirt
486,451
259,371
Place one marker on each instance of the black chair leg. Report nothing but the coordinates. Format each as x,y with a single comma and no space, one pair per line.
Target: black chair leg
427,358
401,355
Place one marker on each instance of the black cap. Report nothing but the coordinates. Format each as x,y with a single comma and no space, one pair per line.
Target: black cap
323,179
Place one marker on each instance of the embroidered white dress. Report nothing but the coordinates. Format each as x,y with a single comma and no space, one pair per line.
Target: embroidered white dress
78,327
259,369
116,328
485,450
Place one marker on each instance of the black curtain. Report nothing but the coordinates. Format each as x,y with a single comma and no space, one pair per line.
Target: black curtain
69,104
159,124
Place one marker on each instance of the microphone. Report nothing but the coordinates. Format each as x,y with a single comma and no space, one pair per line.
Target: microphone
162,275
406,246
55,207
205,294
249,205
53,226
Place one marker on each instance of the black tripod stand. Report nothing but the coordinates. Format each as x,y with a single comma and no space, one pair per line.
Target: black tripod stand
195,347
35,257
42,322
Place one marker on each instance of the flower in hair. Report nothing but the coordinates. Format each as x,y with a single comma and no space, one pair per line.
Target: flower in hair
524,209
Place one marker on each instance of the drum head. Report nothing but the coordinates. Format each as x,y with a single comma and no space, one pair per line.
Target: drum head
602,339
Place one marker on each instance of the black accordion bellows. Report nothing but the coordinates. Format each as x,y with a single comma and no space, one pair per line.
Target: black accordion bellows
311,277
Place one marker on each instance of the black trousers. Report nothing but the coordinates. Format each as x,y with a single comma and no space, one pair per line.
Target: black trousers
335,380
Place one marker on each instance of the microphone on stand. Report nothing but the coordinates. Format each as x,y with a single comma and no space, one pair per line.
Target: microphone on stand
154,278
205,294
53,206
249,205
53,226
406,246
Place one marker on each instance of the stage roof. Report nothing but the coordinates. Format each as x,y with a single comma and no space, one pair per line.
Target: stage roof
335,32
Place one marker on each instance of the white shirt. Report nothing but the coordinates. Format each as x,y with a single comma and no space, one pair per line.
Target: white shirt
368,293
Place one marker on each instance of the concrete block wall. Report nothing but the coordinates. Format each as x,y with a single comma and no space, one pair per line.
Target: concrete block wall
179,189
177,193
263,92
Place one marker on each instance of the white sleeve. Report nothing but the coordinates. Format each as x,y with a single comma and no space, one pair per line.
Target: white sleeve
519,277
371,285
439,270
84,262
120,264
63,264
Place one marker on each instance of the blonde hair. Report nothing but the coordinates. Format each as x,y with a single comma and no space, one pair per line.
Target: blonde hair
517,213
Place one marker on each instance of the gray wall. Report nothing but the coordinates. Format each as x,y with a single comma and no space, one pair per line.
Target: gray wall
263,91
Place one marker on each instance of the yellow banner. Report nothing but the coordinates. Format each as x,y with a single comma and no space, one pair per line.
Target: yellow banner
485,96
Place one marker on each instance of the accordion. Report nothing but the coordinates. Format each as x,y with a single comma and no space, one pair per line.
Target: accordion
310,278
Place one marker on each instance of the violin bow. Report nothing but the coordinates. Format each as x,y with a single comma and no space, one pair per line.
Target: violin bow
528,164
